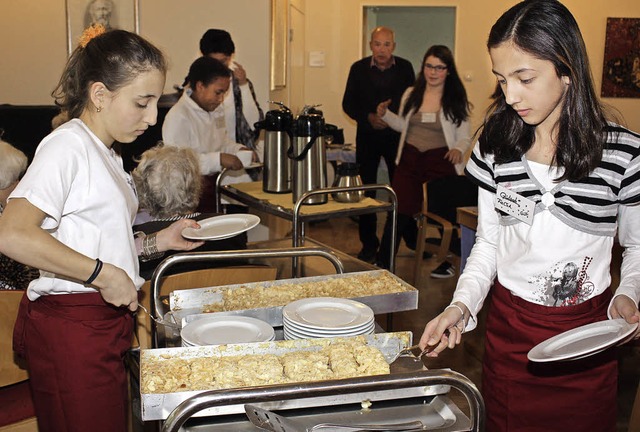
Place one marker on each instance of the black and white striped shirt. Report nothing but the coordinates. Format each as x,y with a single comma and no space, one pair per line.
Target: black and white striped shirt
590,204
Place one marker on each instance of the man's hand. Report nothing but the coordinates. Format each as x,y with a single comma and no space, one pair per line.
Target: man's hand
240,73
382,108
230,161
376,122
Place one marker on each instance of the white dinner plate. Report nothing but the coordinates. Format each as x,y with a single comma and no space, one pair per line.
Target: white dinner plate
328,313
297,334
326,331
583,341
221,227
226,330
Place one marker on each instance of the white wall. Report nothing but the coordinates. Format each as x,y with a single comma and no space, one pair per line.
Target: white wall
33,41
33,44
335,27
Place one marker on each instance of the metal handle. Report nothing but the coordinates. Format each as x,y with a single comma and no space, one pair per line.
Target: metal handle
396,427
368,187
216,398
169,262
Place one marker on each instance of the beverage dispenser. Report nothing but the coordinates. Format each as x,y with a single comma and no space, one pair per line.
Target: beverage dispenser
278,167
309,155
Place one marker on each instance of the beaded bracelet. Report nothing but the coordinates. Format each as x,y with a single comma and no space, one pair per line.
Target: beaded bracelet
96,272
150,248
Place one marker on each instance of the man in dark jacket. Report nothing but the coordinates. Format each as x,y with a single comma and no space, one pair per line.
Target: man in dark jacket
374,79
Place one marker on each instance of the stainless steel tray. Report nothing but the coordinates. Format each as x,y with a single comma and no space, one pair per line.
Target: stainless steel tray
437,413
159,406
193,301
433,411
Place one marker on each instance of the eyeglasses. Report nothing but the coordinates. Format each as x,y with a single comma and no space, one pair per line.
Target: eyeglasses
438,68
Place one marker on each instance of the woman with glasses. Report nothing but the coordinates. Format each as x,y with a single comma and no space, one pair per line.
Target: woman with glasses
435,134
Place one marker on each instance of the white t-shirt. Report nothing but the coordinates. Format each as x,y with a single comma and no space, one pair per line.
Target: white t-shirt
89,201
188,125
525,253
546,261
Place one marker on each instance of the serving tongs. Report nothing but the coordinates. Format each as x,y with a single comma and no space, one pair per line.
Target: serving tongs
158,320
408,358
270,421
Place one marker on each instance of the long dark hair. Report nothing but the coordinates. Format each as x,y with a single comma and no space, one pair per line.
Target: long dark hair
114,58
455,104
546,30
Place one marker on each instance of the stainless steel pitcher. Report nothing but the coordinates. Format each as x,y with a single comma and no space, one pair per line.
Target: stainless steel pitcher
347,175
278,167
309,155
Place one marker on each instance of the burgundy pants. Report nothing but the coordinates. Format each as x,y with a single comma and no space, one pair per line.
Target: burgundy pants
75,345
414,169
524,396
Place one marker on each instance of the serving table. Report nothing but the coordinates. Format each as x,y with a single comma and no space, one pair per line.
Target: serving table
412,394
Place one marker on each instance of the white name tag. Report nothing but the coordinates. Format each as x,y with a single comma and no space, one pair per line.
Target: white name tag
514,204
428,117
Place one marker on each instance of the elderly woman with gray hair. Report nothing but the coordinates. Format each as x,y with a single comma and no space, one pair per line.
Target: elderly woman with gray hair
13,163
169,184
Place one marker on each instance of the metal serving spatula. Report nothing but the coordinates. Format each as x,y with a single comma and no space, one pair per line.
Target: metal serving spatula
270,421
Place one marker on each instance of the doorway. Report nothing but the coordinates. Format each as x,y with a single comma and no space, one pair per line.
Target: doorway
416,29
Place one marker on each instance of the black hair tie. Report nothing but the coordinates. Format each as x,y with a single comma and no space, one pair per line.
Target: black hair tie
95,273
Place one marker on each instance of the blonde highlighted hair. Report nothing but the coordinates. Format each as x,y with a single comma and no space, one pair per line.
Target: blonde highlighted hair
13,164
168,181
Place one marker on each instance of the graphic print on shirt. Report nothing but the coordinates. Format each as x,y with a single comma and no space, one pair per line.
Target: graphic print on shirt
565,284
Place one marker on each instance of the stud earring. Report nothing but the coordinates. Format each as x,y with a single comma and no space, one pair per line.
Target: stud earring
98,109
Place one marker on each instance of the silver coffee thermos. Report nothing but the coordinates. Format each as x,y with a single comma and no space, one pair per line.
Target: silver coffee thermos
278,167
348,176
309,155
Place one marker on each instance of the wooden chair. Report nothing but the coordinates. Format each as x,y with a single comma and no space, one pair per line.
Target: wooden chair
17,407
431,222
198,279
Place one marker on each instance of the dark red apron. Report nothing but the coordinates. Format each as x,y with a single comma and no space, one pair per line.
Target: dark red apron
524,396
74,345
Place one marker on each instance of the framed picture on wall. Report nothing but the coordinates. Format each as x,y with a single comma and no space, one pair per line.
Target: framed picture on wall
121,14
621,69
279,45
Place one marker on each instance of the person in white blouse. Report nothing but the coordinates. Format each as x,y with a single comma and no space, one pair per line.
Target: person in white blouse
241,107
433,119
71,217
558,184
197,121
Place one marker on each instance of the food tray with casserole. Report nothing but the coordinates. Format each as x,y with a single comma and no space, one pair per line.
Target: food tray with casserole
170,376
381,290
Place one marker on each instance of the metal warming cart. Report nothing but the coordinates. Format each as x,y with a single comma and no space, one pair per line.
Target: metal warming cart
412,394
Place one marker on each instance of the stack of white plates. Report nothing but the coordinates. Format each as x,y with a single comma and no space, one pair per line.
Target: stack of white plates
326,317
218,330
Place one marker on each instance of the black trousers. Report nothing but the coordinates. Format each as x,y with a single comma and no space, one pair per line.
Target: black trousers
368,155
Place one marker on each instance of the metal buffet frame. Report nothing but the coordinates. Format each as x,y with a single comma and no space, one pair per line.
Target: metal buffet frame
298,219
257,395
271,394
156,304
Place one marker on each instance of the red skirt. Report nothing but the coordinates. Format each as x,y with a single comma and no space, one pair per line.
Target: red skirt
74,345
524,396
